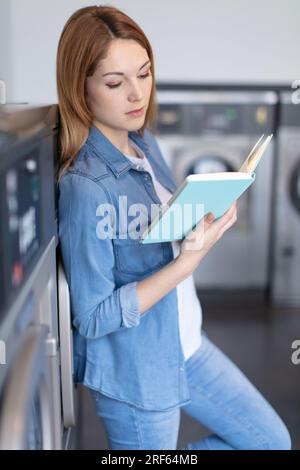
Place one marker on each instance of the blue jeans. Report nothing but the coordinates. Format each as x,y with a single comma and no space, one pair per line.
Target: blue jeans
223,400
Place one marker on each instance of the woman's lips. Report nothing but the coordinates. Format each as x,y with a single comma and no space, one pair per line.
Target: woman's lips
137,113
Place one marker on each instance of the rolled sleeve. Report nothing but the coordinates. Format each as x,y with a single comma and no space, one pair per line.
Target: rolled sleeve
130,307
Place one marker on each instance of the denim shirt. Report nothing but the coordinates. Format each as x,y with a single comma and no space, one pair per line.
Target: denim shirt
122,353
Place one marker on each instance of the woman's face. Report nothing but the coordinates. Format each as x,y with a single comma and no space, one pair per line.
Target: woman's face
121,83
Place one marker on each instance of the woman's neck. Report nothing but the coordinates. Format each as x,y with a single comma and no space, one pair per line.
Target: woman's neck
119,138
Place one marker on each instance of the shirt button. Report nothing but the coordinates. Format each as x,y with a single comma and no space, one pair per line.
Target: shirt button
146,177
181,368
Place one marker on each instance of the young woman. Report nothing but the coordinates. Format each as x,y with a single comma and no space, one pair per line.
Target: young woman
138,344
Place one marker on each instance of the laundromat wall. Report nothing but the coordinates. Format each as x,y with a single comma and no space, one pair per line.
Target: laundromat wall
194,42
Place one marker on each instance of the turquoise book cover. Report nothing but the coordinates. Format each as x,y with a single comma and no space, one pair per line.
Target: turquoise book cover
214,192
200,194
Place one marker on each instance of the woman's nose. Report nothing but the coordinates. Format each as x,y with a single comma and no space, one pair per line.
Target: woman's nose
135,92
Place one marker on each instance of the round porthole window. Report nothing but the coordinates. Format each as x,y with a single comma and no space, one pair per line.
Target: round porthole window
209,164
295,187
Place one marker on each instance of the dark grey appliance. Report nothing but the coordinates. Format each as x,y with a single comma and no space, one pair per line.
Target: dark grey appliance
31,414
285,273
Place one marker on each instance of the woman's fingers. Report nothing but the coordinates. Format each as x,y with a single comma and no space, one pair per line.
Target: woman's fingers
207,233
226,217
228,224
215,227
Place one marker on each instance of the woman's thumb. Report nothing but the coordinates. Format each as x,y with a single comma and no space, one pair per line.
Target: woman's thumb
209,218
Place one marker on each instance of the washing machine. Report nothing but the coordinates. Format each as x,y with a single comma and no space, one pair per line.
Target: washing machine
29,379
285,283
204,132
37,407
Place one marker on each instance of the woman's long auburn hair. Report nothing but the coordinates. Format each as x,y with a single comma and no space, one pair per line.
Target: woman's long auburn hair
84,41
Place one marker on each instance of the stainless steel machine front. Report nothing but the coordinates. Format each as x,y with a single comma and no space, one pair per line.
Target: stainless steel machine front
30,416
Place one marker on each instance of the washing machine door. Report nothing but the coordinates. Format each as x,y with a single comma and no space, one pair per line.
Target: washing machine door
295,187
25,419
209,164
205,157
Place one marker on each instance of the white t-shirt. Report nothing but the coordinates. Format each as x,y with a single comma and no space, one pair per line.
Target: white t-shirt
189,307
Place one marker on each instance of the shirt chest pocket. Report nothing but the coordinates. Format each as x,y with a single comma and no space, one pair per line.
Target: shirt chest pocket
133,257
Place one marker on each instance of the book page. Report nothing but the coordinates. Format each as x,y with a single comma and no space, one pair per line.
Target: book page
255,155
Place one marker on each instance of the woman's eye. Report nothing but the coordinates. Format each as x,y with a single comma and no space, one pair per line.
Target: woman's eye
145,75
118,84
114,86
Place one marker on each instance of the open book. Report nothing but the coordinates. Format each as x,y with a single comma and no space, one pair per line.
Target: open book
202,193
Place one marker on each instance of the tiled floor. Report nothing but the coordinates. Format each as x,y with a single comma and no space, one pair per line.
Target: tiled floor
258,339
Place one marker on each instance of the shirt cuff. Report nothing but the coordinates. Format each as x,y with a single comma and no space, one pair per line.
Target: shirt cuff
129,305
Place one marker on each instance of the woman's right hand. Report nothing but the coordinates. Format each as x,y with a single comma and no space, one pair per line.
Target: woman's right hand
199,241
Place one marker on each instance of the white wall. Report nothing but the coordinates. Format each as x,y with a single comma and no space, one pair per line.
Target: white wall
6,66
196,40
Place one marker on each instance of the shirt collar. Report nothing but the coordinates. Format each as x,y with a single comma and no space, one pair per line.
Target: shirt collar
112,156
